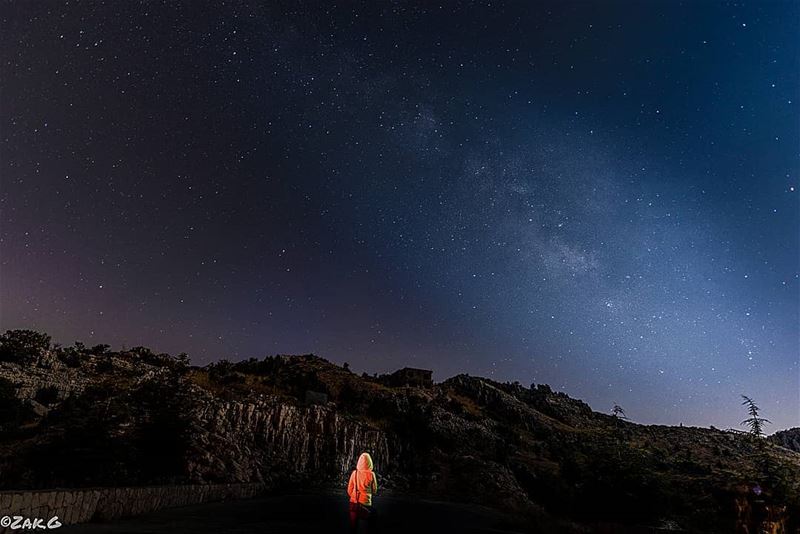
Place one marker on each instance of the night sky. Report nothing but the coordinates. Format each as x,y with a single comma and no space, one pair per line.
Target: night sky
602,197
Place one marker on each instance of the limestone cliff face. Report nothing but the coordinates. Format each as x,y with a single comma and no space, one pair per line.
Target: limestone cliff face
30,379
258,441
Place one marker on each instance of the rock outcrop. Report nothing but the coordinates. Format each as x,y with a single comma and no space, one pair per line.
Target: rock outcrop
787,438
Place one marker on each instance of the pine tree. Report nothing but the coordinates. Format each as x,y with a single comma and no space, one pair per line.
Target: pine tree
618,412
754,422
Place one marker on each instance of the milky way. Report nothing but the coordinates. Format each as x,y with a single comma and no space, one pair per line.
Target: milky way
599,197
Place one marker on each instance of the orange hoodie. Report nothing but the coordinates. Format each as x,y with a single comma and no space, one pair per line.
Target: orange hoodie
363,482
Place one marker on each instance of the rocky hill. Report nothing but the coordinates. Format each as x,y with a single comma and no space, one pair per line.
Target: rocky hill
789,438
78,416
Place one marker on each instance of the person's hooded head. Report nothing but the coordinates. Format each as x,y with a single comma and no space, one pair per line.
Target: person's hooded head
364,462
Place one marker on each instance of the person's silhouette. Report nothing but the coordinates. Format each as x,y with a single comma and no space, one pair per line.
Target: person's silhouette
362,486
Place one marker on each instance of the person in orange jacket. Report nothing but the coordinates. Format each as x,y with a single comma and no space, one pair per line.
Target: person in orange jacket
362,486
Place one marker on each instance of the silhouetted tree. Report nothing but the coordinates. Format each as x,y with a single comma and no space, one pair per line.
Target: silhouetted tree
183,361
162,439
618,412
754,422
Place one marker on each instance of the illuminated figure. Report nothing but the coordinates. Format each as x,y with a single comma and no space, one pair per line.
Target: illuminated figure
362,486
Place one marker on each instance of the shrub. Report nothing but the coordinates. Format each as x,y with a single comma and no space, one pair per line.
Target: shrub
22,345
71,356
99,350
143,352
182,362
149,357
220,371
268,365
106,365
47,395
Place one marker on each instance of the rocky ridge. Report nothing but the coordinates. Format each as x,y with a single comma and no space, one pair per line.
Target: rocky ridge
134,417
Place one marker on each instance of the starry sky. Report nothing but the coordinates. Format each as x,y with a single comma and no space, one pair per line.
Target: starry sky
599,196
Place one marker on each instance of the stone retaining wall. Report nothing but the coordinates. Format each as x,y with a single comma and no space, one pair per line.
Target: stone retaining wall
103,504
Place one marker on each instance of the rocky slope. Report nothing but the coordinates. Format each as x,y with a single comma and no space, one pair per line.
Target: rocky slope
82,417
789,438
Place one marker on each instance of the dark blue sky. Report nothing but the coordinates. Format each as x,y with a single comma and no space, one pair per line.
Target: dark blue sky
601,196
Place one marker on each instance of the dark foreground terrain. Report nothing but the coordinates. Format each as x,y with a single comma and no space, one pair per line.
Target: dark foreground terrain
300,514
81,417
